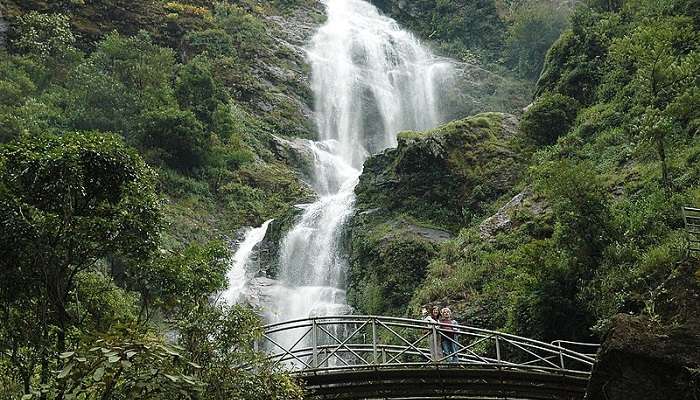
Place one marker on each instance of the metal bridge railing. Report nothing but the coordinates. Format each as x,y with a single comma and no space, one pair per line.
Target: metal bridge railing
691,217
359,342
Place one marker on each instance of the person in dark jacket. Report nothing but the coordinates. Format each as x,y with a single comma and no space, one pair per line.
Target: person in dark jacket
449,335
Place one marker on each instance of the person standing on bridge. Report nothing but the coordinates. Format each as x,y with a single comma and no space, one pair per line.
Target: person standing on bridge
449,335
433,317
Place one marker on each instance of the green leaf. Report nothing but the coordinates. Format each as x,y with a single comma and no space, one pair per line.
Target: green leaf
171,377
65,371
99,372
66,354
27,397
171,352
130,354
114,358
126,364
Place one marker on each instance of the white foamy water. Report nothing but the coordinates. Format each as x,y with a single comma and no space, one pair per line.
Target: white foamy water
370,79
238,275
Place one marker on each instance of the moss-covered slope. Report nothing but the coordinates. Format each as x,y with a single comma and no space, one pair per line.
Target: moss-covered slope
412,198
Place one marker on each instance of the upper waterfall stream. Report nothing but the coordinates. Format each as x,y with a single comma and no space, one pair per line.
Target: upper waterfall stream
370,79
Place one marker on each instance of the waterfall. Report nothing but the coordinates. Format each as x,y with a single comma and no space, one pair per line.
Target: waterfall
370,79
239,273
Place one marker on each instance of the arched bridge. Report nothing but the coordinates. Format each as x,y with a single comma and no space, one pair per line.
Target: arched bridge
371,357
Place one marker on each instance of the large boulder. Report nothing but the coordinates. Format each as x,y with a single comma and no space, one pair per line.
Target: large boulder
655,356
444,176
642,361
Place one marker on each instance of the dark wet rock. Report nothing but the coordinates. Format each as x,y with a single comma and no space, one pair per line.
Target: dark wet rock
284,74
269,247
641,361
444,176
413,198
4,27
655,356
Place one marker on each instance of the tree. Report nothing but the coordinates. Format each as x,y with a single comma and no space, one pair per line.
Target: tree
197,91
175,137
43,35
120,366
179,279
219,339
663,60
66,202
123,79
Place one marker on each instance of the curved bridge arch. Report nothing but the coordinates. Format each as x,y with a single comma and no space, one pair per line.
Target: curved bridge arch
375,357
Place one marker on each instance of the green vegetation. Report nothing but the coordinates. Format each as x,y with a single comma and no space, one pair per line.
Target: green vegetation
131,146
510,35
548,118
597,229
135,136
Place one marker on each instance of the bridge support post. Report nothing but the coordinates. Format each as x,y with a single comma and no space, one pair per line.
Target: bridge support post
314,344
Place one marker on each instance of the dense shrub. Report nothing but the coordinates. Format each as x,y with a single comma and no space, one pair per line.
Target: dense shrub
42,35
176,138
549,117
196,89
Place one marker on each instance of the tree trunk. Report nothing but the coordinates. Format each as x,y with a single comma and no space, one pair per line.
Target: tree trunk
661,149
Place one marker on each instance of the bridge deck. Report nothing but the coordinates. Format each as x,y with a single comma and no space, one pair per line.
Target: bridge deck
443,382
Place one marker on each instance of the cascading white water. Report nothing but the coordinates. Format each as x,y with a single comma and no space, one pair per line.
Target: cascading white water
370,80
238,274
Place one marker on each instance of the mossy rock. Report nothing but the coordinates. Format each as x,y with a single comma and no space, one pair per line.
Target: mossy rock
413,198
389,260
444,176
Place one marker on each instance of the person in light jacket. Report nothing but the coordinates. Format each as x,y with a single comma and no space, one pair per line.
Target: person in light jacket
433,317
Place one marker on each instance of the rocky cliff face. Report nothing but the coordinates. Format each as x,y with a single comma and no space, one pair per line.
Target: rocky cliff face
284,96
639,360
415,197
4,26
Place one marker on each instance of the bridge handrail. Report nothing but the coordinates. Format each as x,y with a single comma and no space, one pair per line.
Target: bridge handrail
308,351
414,323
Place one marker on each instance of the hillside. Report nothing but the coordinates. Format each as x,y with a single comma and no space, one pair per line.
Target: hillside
575,226
139,140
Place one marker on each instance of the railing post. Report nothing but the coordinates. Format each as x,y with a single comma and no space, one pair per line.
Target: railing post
561,357
434,350
374,341
498,349
314,344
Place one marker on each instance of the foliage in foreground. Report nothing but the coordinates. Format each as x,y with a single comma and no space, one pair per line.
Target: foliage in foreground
116,153
81,222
